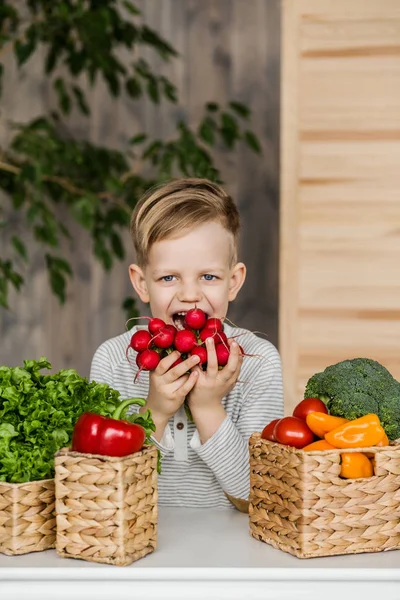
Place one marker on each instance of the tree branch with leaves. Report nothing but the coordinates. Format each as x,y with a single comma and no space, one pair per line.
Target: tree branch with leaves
43,168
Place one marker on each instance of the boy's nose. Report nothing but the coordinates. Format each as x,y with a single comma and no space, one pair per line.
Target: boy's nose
189,293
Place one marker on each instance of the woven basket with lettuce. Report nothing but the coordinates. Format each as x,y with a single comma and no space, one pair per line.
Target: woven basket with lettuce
38,413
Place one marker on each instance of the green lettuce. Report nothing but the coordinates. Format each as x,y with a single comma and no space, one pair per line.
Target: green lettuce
38,413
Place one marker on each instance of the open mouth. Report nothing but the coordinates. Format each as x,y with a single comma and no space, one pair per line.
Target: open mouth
178,319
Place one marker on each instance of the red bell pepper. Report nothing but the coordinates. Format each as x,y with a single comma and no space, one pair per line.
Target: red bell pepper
109,436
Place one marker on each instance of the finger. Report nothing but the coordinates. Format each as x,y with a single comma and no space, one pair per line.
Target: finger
188,383
212,361
182,368
234,363
166,363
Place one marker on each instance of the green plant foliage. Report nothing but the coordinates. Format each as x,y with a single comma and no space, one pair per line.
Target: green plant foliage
42,168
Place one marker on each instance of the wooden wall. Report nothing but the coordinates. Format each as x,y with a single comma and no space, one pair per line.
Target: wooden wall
340,182
229,49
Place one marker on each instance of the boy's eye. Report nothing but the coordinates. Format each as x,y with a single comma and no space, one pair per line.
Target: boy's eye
209,277
167,278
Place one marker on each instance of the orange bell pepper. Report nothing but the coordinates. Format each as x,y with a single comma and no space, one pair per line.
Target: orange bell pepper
384,441
360,433
354,465
320,423
319,445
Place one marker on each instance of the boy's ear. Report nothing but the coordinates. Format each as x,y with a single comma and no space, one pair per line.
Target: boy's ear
238,276
138,281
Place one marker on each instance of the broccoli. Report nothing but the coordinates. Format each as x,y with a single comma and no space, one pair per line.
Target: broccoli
357,387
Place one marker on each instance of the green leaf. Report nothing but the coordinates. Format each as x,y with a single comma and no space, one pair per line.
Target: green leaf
207,131
212,106
61,265
63,96
24,50
117,245
80,98
8,275
46,232
229,130
240,109
64,230
133,87
252,141
58,284
131,8
129,306
152,149
164,49
153,91
170,90
33,212
118,215
84,211
51,59
29,172
103,254
138,139
19,247
113,83
58,268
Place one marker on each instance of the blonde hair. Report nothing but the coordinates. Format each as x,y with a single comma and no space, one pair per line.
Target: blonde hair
169,209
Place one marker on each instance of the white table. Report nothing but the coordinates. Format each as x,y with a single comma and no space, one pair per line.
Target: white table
203,554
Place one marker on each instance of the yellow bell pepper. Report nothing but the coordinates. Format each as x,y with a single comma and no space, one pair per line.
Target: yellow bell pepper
360,433
320,423
354,465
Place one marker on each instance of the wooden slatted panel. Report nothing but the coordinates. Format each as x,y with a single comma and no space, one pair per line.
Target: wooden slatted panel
345,163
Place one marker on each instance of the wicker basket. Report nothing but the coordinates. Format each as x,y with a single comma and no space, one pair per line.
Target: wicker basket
27,518
106,506
299,504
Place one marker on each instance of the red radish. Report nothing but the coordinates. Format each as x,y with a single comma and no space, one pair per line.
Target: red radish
155,325
222,353
164,338
140,340
215,324
206,333
195,318
147,360
185,340
201,352
171,328
219,336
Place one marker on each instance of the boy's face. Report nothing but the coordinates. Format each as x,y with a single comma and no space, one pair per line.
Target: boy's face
192,270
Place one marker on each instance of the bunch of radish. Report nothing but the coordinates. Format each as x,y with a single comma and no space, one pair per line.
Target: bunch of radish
160,339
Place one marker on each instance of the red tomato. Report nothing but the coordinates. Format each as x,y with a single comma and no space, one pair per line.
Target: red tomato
268,431
293,432
309,405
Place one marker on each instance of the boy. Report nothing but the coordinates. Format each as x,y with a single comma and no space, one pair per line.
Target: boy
185,234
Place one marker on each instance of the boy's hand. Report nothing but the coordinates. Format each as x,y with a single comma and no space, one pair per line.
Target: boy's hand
169,388
212,385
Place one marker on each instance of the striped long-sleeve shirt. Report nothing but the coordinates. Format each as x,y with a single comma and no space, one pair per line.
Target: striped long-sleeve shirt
196,474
